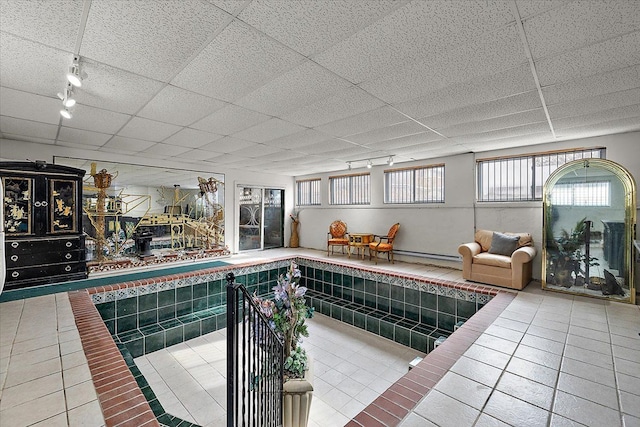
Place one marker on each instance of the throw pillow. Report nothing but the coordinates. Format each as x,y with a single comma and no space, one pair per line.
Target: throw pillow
502,244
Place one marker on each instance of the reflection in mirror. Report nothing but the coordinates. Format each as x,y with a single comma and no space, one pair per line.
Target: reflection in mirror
137,215
589,213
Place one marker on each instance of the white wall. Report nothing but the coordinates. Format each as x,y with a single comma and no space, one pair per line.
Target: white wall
439,229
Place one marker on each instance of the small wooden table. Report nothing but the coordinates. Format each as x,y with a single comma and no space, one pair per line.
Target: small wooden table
359,240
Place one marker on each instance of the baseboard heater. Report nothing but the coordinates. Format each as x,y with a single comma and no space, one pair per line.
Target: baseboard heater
440,257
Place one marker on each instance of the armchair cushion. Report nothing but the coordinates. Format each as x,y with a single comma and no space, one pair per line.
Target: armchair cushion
503,244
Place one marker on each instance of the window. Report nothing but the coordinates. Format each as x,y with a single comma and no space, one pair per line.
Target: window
308,192
414,185
349,189
582,194
521,178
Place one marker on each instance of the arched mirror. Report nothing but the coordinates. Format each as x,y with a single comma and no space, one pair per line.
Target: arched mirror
589,219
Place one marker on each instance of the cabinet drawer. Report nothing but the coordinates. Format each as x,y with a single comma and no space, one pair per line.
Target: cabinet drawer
44,245
23,259
45,272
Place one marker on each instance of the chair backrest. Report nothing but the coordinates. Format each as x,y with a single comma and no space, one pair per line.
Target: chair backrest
392,231
337,229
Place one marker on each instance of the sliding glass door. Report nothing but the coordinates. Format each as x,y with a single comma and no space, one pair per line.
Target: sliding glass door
261,222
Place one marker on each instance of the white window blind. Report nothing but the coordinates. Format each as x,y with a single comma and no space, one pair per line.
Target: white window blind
423,184
308,192
349,189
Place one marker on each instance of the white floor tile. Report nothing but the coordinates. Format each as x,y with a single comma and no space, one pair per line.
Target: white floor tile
515,412
584,411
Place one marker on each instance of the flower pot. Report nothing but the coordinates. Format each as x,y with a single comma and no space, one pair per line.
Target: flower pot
296,399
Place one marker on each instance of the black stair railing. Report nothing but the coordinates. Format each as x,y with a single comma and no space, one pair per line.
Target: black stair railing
254,363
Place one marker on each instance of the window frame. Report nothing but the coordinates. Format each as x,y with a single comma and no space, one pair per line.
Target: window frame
348,180
534,175
413,185
313,193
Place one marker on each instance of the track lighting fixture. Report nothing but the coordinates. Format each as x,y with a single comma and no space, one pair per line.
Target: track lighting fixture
390,161
369,164
370,161
75,76
67,97
349,165
66,113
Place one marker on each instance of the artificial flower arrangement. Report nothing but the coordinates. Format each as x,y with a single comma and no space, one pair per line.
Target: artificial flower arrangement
287,313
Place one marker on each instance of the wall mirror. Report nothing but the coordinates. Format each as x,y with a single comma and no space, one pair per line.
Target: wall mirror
589,226
149,214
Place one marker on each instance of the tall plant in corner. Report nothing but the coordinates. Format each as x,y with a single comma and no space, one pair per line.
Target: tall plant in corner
287,313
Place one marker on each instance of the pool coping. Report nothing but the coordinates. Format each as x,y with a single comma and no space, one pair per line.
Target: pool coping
123,403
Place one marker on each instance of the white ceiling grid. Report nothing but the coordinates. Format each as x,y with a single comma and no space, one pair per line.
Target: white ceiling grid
301,87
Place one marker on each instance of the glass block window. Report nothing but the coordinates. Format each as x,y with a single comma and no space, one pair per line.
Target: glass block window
350,189
308,192
424,184
521,178
582,194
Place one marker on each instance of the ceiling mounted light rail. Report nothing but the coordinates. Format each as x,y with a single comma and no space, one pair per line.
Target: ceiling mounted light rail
369,161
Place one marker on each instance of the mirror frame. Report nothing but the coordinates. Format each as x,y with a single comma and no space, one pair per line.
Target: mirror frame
629,186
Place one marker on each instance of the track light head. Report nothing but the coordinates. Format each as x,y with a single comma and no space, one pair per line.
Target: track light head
67,97
390,161
75,76
66,113
369,164
349,165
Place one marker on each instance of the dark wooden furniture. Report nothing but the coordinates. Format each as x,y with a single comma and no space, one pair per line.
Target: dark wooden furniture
42,218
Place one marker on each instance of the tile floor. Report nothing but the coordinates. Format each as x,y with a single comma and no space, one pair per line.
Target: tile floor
549,359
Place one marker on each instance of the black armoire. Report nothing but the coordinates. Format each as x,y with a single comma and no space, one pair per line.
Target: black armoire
42,220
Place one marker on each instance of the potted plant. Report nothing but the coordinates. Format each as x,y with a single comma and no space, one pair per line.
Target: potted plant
287,313
566,257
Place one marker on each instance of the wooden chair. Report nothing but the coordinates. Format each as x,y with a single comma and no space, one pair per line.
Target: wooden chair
384,244
337,236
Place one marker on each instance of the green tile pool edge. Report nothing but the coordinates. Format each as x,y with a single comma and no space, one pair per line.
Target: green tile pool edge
74,285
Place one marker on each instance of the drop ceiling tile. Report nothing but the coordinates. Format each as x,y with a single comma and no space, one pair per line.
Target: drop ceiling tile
349,102
599,117
229,120
25,139
579,24
513,132
480,90
236,63
32,67
529,8
54,24
148,130
408,150
609,55
509,142
327,145
149,38
388,132
25,105
228,144
96,119
27,128
298,87
114,89
298,139
364,122
497,123
594,104
395,41
405,141
191,138
82,137
122,144
486,55
600,84
256,151
265,131
179,107
229,6
309,26
197,154
164,150
353,152
487,110
629,124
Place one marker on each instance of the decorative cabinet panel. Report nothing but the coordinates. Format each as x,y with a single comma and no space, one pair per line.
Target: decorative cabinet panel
42,213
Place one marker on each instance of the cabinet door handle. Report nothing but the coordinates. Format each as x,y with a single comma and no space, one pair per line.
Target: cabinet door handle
67,268
14,258
45,203
68,244
15,274
37,204
15,244
68,256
